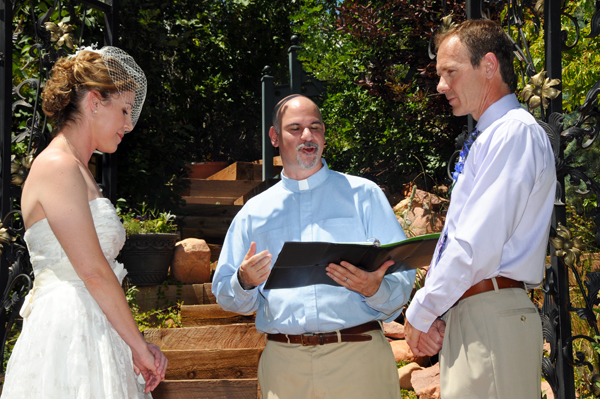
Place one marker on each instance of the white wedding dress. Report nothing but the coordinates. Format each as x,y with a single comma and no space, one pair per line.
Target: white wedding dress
68,349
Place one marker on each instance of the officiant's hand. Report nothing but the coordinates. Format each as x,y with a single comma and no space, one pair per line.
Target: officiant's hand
355,279
255,268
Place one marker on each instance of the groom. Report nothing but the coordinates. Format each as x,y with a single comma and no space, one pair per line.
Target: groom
493,245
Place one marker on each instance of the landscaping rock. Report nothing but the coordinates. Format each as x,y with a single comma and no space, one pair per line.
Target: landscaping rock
426,382
191,261
405,373
402,353
421,213
393,330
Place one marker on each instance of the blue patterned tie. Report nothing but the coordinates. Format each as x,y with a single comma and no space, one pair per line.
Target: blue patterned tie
460,164
458,169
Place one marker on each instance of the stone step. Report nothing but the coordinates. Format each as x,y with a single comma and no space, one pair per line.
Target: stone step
229,336
208,389
204,315
207,364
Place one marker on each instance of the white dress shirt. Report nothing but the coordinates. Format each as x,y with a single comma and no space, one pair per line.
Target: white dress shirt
498,221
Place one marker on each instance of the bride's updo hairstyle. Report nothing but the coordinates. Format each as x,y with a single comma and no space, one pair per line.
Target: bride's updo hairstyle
72,78
108,71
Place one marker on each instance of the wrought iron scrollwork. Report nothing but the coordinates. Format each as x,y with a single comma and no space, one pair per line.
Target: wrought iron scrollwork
549,323
595,23
20,273
583,132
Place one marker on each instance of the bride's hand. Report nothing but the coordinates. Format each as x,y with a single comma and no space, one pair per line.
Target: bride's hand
146,364
160,360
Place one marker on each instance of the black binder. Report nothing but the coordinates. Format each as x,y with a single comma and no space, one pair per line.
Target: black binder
303,263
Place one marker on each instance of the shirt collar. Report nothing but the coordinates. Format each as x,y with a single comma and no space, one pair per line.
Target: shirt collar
497,110
309,183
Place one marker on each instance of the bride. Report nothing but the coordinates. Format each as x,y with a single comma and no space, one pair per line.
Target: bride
79,339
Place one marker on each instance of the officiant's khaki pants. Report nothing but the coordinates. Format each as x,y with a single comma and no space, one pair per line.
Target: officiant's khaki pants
492,347
347,370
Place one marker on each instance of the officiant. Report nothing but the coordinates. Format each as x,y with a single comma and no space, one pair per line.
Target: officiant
322,340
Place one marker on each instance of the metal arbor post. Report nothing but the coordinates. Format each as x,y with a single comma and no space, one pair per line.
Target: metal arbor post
300,83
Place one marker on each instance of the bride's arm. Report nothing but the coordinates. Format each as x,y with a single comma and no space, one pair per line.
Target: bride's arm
56,184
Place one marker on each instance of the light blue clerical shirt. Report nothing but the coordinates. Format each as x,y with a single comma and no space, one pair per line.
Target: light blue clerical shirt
328,206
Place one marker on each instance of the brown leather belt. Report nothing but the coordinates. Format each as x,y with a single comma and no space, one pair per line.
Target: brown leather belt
488,285
352,334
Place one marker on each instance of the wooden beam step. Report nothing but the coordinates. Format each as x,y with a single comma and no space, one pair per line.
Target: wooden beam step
204,234
208,210
220,188
262,186
203,170
204,315
238,171
159,296
206,222
208,296
215,251
210,200
207,389
206,364
208,337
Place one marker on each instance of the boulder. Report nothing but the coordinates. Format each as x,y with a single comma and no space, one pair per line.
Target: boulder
421,213
402,353
405,373
393,330
426,382
191,261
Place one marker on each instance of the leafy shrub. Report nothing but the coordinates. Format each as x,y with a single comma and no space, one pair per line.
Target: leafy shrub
146,220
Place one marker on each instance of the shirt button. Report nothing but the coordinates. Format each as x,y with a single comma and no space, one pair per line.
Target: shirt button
425,320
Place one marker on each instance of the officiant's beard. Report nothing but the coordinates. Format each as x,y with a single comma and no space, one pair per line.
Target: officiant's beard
308,161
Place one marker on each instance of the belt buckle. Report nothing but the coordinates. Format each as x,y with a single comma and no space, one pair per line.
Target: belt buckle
308,335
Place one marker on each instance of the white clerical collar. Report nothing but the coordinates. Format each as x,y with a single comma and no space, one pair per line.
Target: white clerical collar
307,184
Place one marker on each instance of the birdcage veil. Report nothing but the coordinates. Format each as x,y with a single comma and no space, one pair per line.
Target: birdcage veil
126,75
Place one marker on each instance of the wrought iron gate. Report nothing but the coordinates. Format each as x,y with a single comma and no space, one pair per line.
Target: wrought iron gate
558,366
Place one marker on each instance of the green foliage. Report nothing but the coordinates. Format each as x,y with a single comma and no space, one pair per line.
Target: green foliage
161,317
11,340
145,220
581,64
203,61
381,123
408,394
580,202
26,68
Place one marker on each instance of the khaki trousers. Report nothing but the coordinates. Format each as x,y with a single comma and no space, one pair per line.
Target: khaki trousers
492,347
347,370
